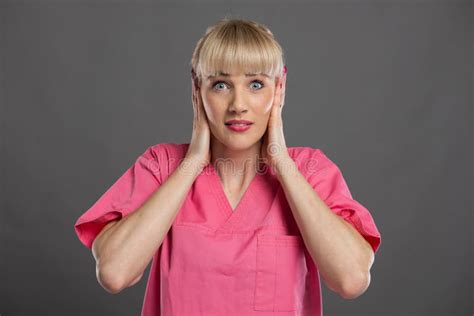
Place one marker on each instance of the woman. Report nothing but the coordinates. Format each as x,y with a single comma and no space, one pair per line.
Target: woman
251,239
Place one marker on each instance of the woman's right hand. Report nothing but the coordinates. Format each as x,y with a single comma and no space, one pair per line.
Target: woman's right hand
199,148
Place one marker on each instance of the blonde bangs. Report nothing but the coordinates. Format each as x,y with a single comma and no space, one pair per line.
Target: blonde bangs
237,45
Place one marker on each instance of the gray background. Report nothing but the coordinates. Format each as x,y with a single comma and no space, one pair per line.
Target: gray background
384,88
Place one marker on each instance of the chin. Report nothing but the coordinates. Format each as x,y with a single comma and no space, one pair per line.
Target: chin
238,142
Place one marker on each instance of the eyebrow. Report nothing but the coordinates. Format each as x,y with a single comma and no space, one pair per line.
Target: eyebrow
227,75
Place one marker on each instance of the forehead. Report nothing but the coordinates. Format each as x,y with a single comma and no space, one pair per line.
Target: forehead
223,74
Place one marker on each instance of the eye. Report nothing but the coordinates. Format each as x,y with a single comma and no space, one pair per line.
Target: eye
217,83
259,82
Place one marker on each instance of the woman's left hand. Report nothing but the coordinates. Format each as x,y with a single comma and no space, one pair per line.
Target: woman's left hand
273,149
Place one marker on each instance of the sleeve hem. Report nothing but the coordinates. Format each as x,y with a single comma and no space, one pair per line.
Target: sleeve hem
369,234
88,229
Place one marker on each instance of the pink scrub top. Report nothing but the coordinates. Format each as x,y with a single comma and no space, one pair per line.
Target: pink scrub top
219,261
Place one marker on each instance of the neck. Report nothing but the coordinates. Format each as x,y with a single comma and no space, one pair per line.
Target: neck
233,164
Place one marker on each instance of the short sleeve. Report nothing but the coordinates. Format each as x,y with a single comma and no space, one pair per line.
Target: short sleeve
329,183
126,195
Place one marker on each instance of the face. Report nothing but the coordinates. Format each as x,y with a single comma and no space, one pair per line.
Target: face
242,97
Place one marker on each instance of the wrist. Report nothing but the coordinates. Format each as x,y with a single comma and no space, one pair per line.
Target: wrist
285,167
192,165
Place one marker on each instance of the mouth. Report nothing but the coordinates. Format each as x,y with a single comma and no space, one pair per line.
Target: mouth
238,123
239,127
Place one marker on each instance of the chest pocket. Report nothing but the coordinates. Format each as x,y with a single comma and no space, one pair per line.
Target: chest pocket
280,273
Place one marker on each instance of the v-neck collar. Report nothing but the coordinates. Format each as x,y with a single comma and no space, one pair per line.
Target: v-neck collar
233,216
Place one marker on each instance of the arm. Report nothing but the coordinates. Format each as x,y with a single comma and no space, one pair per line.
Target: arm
125,247
343,256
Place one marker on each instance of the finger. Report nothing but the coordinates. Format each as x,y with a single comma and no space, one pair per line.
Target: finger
198,106
282,98
275,108
193,98
276,98
283,90
196,111
195,94
279,104
193,87
200,103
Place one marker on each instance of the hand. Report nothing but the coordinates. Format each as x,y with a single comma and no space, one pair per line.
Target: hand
199,148
273,149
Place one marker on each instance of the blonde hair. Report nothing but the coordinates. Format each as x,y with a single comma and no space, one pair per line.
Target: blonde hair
235,43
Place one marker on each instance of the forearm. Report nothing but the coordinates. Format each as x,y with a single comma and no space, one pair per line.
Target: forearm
130,245
342,255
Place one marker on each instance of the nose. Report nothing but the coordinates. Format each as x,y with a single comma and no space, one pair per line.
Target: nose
238,102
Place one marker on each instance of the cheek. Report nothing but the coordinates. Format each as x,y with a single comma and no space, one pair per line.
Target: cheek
212,113
267,107
269,102
210,108
264,115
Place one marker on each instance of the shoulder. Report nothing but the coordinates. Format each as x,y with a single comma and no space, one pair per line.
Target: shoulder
167,156
307,158
168,150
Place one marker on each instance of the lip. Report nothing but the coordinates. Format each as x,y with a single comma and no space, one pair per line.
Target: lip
237,128
238,122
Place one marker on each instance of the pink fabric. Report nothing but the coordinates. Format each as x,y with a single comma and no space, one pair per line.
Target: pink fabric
219,261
